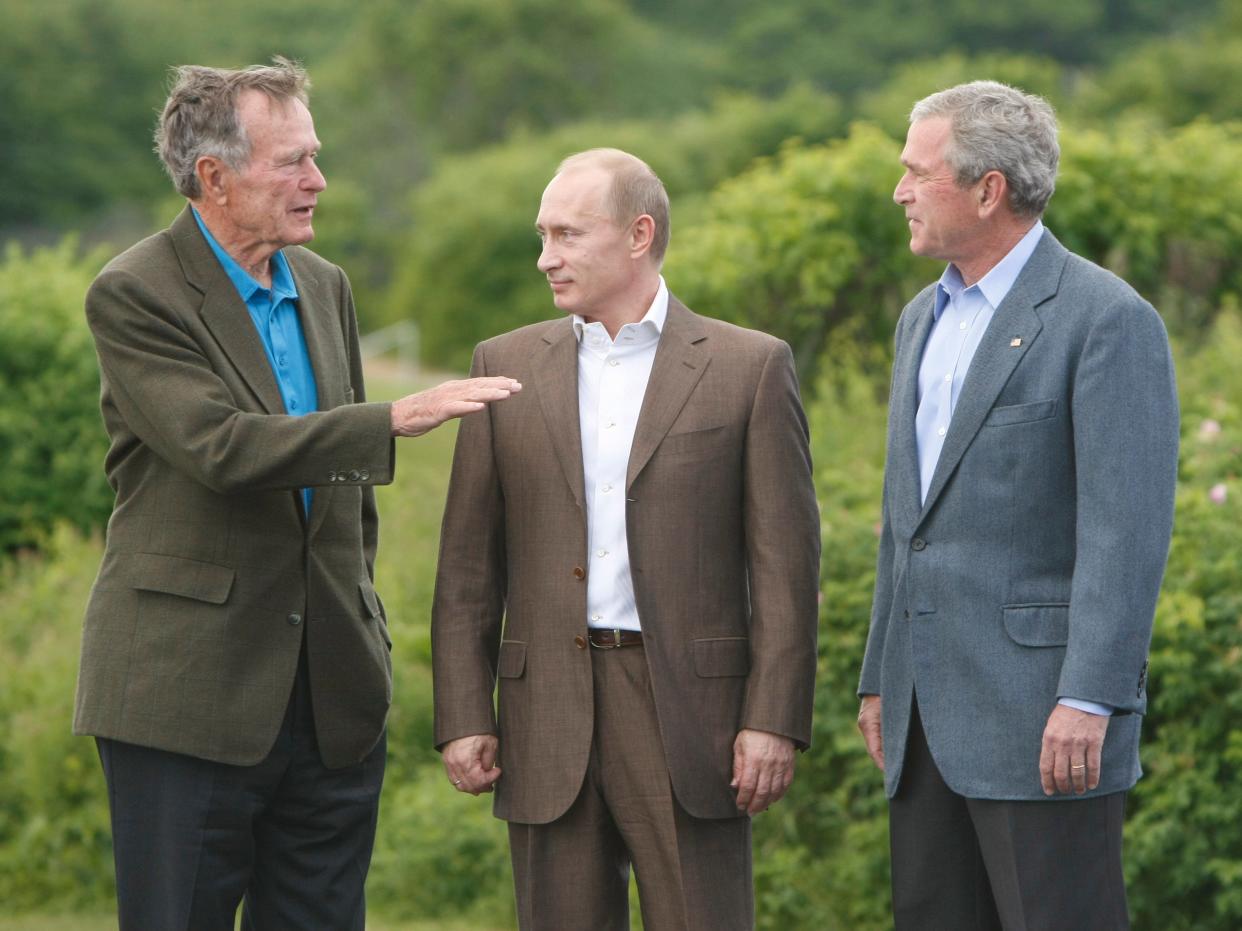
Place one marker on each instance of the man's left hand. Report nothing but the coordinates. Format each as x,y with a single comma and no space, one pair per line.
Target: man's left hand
1070,758
763,768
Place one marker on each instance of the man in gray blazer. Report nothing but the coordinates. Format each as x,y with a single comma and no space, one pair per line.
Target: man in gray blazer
235,668
1028,504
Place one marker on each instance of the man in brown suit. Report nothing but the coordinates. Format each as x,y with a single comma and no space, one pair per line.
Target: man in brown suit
643,519
235,667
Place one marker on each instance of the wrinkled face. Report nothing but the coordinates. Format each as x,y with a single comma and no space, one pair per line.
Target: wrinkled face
586,253
942,216
271,200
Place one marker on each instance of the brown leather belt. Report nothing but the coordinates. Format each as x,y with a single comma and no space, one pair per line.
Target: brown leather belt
611,639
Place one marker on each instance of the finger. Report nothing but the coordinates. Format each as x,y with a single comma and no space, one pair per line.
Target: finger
1061,771
747,781
763,793
1078,773
1095,765
1045,768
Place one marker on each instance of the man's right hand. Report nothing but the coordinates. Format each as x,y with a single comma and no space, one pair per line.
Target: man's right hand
470,762
869,725
416,414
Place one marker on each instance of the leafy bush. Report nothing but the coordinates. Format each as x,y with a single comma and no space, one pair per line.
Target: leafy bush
52,441
468,271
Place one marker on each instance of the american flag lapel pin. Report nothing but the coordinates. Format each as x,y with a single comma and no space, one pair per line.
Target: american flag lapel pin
1015,342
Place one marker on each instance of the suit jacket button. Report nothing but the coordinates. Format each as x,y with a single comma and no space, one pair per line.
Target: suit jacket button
580,642
918,543
907,614
364,475
294,620
353,475
579,573
332,476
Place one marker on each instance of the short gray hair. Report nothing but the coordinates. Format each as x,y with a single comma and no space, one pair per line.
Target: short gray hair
635,190
998,127
200,116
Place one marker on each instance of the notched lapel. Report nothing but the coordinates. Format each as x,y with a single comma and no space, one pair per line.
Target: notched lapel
680,360
555,369
904,500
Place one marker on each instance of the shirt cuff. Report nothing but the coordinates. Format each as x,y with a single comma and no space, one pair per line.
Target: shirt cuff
1091,707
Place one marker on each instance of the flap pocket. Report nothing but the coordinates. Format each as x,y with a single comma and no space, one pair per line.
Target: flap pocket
512,662
370,601
722,656
1038,625
1021,413
176,575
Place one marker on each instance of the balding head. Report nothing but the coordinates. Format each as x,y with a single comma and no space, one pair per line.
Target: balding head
635,190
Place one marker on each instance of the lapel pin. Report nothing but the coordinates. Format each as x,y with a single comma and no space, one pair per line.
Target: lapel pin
1015,342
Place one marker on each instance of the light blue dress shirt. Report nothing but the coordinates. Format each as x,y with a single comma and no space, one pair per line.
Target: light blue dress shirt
962,315
274,311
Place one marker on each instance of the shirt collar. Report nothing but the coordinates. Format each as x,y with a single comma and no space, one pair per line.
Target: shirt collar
997,283
651,325
282,287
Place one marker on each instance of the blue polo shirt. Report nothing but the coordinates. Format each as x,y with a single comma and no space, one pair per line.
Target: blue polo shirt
274,311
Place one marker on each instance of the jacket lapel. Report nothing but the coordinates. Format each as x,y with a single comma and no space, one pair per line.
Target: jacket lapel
224,313
997,357
680,361
904,452
555,369
326,346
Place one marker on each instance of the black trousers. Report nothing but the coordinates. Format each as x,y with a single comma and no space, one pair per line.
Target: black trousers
963,864
192,837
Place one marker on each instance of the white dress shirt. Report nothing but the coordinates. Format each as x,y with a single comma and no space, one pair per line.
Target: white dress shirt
612,380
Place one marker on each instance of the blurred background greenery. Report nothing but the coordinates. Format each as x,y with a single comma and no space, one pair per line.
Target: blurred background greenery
776,127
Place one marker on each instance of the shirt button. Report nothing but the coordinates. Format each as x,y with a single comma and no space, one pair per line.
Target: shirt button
606,488
293,405
962,325
941,432
610,425
597,617
579,573
601,553
949,377
294,620
613,362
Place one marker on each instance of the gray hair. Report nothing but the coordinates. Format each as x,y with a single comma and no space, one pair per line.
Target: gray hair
635,190
200,116
998,127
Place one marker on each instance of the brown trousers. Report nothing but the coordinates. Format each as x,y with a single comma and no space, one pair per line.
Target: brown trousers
573,873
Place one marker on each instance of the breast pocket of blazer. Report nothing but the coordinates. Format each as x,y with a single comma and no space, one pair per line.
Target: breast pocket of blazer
1021,413
185,578
715,657
694,445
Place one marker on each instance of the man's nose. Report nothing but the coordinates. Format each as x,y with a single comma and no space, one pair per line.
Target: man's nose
901,193
548,259
315,181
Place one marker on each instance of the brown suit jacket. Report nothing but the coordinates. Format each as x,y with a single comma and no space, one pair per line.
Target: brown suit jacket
723,535
211,574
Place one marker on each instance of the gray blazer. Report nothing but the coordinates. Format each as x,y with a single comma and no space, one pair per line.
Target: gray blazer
1032,569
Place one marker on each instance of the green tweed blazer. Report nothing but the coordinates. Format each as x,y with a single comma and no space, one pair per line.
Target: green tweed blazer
212,578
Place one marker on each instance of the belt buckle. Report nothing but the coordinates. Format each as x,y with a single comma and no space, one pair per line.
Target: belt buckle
616,639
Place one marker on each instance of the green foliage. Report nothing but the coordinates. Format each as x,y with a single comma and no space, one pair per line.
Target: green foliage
55,844
803,242
1158,207
468,272
51,439
1184,839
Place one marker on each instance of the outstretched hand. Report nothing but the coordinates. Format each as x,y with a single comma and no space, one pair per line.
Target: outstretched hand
416,414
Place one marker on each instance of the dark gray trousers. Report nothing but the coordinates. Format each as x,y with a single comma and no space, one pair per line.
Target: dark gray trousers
192,838
964,864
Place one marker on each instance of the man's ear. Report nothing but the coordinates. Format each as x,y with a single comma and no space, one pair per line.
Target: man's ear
642,235
212,179
992,192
